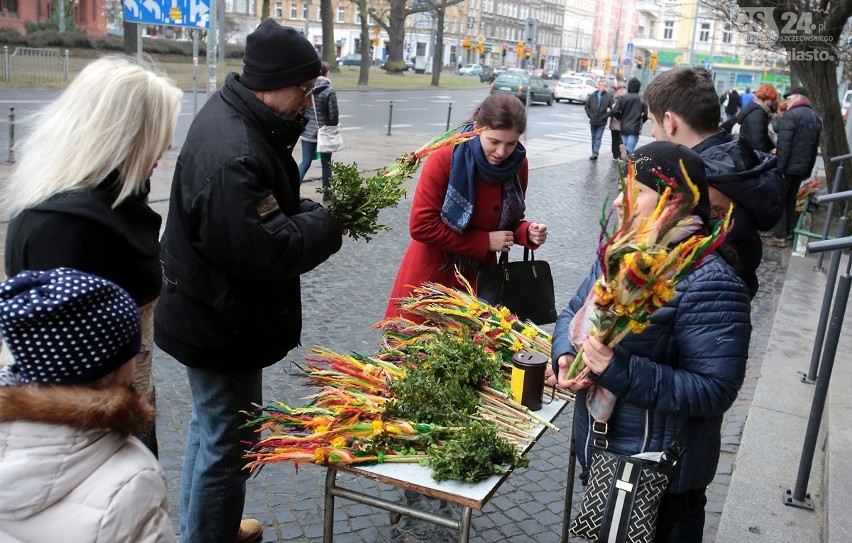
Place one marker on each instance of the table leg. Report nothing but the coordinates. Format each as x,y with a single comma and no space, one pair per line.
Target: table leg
464,525
569,493
328,514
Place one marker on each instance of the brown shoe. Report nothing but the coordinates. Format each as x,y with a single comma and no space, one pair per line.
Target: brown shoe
774,242
250,531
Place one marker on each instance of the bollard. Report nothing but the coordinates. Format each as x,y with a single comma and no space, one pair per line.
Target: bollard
799,497
11,135
449,113
390,117
831,279
65,66
6,75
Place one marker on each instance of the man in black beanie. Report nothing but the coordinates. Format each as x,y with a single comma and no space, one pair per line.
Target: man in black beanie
237,238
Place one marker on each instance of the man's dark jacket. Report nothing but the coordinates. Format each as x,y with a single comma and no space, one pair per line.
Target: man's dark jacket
237,238
598,113
752,180
798,140
631,111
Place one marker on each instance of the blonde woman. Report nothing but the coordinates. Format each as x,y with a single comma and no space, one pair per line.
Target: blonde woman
78,195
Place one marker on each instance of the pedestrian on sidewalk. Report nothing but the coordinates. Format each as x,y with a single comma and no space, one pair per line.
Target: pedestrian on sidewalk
598,110
323,113
615,126
797,146
469,204
754,119
682,105
237,239
684,369
632,113
70,469
78,196
733,105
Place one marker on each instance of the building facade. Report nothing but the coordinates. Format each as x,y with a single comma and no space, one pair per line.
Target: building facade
86,15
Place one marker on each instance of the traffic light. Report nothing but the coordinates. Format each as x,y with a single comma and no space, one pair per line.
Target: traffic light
607,64
505,49
652,62
519,49
529,52
640,62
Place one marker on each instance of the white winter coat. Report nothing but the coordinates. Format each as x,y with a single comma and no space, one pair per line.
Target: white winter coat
71,473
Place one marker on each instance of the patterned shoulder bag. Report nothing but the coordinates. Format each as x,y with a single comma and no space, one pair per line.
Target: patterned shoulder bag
624,492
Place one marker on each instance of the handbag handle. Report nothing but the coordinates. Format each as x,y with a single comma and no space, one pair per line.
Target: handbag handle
669,456
503,262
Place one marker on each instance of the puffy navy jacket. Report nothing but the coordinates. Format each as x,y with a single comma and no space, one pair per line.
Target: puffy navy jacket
689,362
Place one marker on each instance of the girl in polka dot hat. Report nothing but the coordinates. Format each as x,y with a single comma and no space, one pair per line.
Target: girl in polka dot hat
64,326
66,423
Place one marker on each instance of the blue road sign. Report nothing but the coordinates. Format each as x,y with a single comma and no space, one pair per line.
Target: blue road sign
629,50
189,13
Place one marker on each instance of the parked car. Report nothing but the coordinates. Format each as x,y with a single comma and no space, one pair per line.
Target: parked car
409,65
487,75
350,60
545,73
846,105
517,85
470,69
574,88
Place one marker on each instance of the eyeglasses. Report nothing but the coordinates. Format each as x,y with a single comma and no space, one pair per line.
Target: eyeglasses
307,91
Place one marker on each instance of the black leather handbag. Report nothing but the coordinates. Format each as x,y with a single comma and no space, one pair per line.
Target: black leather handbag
624,493
525,287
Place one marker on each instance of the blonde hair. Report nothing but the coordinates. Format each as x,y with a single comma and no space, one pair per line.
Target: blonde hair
117,114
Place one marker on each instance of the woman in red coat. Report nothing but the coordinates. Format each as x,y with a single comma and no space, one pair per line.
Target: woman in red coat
469,204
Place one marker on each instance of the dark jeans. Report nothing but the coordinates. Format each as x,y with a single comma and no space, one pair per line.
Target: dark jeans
616,143
597,135
788,219
681,518
309,151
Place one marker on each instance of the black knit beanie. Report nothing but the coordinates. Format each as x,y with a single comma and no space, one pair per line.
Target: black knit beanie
663,158
276,57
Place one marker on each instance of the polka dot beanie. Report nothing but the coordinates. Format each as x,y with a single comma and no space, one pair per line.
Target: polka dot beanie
64,326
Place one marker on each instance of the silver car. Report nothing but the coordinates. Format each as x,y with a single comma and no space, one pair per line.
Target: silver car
574,88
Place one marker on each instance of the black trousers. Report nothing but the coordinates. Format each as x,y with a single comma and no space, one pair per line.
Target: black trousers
616,143
788,219
681,517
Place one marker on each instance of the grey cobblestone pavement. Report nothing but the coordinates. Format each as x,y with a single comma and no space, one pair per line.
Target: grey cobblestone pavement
345,296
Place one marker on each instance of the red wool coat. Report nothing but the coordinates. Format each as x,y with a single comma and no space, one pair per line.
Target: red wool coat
432,240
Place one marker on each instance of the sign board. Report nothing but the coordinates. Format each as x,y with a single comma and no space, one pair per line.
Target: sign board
614,58
480,39
629,50
627,62
188,13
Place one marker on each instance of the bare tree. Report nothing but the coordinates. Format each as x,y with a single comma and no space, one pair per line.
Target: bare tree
264,10
808,32
392,20
363,12
329,53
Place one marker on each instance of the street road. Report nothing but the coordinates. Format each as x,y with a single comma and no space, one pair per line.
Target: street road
428,110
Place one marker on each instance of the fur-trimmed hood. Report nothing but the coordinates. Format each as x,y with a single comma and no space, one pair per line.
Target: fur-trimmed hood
53,438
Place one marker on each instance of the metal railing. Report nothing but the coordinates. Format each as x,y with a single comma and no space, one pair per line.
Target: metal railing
828,337
35,64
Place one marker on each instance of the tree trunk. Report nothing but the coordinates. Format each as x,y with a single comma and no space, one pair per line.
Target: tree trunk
264,10
329,52
820,81
396,31
364,74
438,58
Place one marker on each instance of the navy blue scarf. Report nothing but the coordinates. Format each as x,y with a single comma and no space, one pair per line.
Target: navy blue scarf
469,160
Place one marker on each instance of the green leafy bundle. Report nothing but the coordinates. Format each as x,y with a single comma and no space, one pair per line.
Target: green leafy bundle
474,453
356,201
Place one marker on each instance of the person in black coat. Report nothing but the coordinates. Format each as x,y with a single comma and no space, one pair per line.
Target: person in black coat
798,142
238,237
78,196
683,105
632,113
324,113
754,119
598,109
733,105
